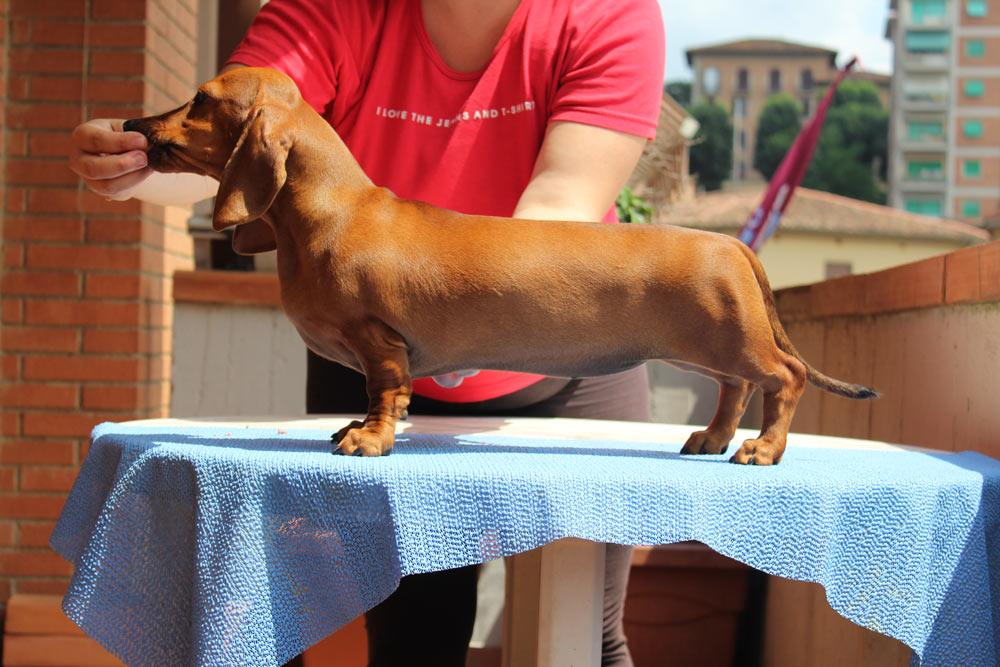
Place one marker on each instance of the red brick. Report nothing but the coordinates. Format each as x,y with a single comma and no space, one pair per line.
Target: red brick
114,9
39,116
43,228
108,313
29,586
37,563
39,395
118,63
961,276
13,311
54,200
38,283
103,258
96,204
108,369
13,255
30,506
11,367
17,143
114,231
20,31
59,452
6,533
104,110
989,271
16,202
115,286
35,171
40,339
59,424
48,9
58,33
8,478
114,341
56,88
112,397
840,296
45,60
103,35
99,90
17,87
47,478
50,144
37,533
907,287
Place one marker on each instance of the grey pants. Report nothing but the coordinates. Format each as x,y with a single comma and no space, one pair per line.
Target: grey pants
428,620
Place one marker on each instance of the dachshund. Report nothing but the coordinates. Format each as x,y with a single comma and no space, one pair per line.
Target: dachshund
399,289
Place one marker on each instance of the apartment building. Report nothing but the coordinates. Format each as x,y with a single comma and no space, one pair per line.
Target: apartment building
944,147
741,75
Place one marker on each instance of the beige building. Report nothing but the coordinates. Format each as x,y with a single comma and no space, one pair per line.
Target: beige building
944,151
823,235
742,75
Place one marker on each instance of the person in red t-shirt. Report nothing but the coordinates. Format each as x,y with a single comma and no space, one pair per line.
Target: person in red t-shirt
533,109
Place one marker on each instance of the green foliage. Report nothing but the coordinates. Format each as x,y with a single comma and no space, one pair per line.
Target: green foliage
632,208
777,127
852,153
680,91
712,154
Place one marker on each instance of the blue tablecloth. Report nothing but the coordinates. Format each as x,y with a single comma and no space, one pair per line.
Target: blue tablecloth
222,546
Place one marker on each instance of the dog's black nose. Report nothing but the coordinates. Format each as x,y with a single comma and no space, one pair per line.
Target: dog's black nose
130,125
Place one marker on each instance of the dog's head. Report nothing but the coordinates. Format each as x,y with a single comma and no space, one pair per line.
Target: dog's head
237,130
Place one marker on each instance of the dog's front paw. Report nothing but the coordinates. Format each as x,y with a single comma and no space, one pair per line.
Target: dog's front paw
758,453
706,442
363,439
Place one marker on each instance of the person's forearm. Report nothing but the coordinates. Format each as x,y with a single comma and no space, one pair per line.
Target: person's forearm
174,189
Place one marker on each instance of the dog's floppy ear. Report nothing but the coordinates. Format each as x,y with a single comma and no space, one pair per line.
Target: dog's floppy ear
255,171
254,238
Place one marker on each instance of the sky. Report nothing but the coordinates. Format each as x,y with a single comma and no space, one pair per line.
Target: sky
850,27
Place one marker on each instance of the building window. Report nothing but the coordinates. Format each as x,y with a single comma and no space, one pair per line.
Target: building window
973,128
974,88
838,269
775,80
741,171
975,48
924,170
976,8
972,169
926,88
739,107
710,81
921,10
741,140
743,81
806,104
970,208
925,130
807,80
928,41
931,207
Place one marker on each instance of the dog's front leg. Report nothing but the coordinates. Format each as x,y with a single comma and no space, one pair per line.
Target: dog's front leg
382,353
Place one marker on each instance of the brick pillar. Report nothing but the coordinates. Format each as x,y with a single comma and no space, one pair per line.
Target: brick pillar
86,284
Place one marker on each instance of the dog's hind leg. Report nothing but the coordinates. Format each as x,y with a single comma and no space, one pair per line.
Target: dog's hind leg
782,388
734,396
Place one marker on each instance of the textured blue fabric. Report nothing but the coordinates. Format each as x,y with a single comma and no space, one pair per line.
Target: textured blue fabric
244,547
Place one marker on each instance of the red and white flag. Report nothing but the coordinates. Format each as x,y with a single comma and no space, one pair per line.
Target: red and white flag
764,220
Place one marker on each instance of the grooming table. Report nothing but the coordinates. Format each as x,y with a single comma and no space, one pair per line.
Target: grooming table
235,542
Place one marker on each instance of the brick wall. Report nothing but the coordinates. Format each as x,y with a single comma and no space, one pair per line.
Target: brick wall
86,283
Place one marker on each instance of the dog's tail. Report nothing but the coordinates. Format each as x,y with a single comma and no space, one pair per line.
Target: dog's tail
784,342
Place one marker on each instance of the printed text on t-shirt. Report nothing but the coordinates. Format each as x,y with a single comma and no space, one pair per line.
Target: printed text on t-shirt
478,114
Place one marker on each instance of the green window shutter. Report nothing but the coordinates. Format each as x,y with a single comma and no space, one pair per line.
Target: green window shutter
918,130
972,169
976,8
970,208
924,9
973,128
974,88
975,48
932,207
923,41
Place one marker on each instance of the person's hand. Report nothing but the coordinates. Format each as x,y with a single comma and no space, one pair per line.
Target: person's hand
111,162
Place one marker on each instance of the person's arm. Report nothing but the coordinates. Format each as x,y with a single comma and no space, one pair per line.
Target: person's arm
579,172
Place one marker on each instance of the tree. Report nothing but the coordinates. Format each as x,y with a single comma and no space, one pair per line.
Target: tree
680,91
777,127
712,155
852,154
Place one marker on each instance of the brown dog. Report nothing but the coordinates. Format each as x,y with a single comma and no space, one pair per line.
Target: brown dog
400,289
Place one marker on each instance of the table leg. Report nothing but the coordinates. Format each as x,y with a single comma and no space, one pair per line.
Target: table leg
553,613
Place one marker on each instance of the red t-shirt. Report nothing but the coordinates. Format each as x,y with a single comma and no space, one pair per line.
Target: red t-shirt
466,141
